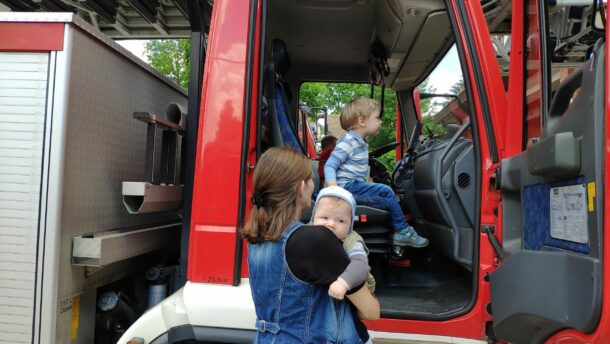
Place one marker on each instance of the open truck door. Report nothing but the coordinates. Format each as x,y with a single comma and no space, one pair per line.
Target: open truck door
548,157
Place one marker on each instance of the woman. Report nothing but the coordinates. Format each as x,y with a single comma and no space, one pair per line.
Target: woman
291,264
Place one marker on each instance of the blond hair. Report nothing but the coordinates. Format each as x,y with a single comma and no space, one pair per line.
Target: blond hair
359,107
334,201
278,175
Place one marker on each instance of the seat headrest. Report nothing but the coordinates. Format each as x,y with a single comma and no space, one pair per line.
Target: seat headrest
280,57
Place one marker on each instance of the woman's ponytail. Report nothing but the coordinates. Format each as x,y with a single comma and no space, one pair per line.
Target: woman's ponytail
277,177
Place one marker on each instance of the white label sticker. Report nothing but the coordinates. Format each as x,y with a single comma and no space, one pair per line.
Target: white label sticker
569,213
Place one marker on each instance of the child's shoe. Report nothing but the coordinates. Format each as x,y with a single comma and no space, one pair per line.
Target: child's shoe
409,237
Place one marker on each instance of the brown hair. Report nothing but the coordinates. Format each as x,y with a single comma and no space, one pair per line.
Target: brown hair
277,178
328,141
359,107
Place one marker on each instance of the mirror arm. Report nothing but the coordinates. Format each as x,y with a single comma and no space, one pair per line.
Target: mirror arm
433,95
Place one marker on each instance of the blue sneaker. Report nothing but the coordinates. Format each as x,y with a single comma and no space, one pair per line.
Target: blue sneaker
409,237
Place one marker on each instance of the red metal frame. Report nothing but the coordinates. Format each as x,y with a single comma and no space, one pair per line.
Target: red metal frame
32,36
311,146
253,120
217,168
516,83
492,78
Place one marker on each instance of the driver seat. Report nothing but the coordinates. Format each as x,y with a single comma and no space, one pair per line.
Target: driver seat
281,127
372,224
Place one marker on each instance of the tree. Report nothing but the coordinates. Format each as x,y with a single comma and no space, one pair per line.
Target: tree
171,58
387,132
331,95
457,87
429,107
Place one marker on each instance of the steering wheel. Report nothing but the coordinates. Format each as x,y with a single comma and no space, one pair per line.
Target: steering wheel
379,173
384,149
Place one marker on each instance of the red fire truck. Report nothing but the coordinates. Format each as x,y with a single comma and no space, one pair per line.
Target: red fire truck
512,197
511,192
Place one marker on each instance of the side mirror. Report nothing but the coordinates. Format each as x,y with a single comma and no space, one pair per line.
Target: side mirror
598,19
432,123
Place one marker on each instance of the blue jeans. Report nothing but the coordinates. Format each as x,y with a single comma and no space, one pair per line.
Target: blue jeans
378,196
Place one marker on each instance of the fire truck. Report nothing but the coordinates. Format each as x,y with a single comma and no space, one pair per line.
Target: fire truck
511,194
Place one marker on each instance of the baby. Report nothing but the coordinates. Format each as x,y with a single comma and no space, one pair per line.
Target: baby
335,208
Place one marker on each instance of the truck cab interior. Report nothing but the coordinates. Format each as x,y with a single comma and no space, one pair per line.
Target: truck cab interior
397,45
394,45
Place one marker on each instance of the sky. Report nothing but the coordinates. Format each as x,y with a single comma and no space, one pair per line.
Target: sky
447,73
135,46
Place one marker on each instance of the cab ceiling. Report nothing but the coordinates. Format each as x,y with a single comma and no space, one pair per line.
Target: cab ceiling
331,40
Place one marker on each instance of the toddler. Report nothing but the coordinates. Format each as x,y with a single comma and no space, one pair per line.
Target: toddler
348,167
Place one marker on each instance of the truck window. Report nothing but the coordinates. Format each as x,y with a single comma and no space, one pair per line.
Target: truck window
443,100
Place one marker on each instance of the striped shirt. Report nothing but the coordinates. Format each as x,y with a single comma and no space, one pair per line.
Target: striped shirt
349,160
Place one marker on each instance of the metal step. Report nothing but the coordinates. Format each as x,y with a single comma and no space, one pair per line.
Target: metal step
103,248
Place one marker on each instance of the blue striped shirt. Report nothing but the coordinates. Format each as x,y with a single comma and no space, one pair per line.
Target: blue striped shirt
349,160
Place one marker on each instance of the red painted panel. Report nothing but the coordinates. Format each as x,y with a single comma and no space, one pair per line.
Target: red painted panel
516,84
217,167
31,36
490,69
211,262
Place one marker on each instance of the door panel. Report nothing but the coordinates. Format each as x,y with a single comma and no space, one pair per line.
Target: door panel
550,291
552,206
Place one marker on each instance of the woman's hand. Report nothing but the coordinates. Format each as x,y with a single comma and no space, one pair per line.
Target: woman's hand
367,305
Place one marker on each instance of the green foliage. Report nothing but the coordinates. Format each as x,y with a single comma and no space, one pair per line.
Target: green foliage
431,106
437,130
331,95
171,58
389,159
424,104
335,95
457,87
387,132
